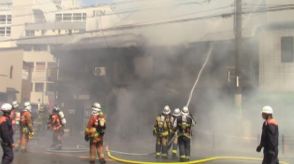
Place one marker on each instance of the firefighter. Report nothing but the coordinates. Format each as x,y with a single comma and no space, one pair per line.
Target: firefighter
95,132
15,118
26,126
6,133
174,136
56,123
15,114
184,125
161,131
269,137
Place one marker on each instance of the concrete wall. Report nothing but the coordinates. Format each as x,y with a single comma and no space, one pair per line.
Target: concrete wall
274,74
11,63
39,76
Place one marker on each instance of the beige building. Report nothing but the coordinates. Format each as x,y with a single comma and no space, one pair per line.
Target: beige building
276,50
42,26
11,74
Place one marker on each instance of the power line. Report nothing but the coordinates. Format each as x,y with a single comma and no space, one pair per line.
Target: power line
131,11
119,12
134,26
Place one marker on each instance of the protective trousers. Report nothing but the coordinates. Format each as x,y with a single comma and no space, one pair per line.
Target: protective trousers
270,157
7,157
161,147
96,148
57,138
184,147
175,146
24,139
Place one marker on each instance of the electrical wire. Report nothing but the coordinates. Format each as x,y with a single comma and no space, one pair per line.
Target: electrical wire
133,26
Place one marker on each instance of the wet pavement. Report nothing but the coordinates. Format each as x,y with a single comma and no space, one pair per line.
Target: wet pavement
81,158
38,153
47,158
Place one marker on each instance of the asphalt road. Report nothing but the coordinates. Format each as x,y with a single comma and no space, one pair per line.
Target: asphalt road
47,158
81,158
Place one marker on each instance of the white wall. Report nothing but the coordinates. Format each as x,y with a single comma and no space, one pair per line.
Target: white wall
11,58
274,74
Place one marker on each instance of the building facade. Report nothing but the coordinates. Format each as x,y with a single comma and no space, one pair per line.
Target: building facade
11,74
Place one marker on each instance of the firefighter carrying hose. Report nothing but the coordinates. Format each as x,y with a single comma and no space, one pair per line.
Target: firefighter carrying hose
26,126
269,137
95,132
56,123
161,131
6,134
174,136
184,125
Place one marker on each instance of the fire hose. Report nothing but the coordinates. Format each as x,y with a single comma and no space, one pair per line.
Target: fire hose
209,159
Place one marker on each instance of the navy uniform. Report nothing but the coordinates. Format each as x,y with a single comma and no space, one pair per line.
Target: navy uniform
174,136
6,133
269,137
184,124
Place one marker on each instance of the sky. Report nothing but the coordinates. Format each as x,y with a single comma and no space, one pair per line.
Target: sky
92,2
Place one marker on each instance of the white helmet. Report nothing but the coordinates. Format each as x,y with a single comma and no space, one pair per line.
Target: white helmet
267,110
6,107
96,108
56,109
15,104
166,110
177,112
185,110
27,106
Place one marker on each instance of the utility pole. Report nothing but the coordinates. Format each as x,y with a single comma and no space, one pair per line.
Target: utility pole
238,45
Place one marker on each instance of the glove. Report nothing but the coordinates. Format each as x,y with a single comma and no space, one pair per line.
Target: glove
258,149
87,138
31,134
154,132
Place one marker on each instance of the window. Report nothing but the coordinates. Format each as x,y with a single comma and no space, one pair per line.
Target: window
287,48
27,48
5,31
39,87
77,17
11,72
2,31
40,66
2,19
40,48
67,17
30,33
84,16
58,17
8,31
8,19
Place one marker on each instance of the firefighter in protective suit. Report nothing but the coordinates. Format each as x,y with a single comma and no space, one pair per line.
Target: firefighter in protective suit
15,118
95,132
269,137
174,136
184,125
161,131
56,123
15,114
6,134
26,126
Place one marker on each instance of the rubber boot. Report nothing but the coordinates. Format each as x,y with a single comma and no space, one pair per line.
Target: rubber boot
102,161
